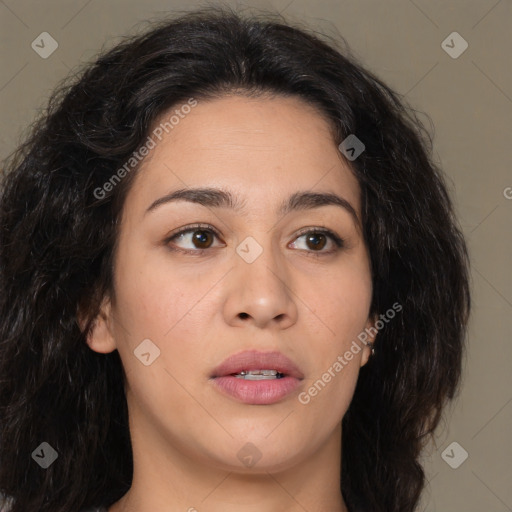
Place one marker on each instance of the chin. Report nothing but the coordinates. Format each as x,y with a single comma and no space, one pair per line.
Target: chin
258,455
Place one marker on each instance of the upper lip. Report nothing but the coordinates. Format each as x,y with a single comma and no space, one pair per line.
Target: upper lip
254,360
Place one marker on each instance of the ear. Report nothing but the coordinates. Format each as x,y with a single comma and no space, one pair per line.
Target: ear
100,338
371,331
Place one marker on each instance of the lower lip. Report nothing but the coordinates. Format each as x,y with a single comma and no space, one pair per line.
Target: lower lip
257,392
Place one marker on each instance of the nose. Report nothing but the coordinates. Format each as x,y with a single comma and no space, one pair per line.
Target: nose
260,293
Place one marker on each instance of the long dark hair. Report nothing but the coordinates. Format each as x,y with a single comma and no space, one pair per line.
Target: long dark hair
57,239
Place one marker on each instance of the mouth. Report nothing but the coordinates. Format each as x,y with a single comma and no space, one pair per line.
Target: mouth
257,378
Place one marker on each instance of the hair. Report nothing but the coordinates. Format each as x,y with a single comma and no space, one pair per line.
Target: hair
57,242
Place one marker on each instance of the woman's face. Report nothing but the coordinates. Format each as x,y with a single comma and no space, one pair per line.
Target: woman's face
250,278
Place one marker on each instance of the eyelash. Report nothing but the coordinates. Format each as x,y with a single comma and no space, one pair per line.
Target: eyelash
338,242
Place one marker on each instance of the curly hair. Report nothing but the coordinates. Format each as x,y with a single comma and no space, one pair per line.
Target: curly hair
58,239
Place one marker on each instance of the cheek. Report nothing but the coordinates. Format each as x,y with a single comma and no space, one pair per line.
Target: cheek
160,306
329,394
341,302
342,312
153,295
172,308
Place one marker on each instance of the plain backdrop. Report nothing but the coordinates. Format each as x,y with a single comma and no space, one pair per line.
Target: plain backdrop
469,101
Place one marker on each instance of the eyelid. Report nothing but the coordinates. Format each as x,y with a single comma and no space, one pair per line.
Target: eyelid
337,240
319,229
187,229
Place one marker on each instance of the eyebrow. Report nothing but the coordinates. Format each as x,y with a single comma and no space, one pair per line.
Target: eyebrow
218,198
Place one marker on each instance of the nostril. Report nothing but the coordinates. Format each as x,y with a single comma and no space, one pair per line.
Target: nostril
243,315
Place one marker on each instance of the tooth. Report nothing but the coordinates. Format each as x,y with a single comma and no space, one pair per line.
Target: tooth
258,372
256,377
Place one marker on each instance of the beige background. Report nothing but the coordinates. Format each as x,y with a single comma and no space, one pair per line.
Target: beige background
469,100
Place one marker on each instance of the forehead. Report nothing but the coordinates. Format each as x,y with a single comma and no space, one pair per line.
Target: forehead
263,149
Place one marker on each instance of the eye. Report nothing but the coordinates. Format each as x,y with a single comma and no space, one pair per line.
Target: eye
199,235
315,239
202,236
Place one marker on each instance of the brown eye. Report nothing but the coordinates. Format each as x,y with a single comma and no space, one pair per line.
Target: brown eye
313,241
193,239
316,241
202,238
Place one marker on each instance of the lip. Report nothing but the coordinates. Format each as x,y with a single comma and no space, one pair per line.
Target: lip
262,392
254,360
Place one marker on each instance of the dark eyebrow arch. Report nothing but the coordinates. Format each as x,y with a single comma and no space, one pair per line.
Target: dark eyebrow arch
218,198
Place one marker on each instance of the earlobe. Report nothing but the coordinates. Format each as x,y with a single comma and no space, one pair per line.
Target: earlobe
100,338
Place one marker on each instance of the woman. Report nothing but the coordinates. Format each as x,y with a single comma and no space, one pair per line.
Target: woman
232,280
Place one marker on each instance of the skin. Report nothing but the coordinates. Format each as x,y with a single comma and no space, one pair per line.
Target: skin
301,300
